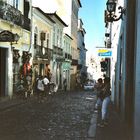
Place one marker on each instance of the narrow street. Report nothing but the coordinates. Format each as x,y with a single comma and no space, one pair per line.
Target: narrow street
65,116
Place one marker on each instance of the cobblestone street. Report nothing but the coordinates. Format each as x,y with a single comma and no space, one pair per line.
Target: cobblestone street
65,116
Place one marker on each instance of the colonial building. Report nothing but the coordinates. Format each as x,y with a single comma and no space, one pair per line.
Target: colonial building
58,58
42,37
68,11
15,31
75,4
67,59
82,52
126,95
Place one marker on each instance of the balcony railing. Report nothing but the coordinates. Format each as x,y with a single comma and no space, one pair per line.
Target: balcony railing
68,56
26,23
50,53
58,51
74,62
9,13
43,52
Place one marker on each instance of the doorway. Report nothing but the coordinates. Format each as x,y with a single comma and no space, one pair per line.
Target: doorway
3,56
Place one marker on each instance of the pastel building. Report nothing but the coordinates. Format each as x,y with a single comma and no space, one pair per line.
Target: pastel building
82,67
68,11
42,37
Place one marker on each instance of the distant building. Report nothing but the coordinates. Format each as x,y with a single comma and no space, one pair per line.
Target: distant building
58,57
82,68
67,59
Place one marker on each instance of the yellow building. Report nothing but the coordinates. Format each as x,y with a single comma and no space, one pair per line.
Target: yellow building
42,32
14,41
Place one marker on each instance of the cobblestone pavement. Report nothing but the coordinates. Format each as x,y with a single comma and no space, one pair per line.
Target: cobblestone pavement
61,117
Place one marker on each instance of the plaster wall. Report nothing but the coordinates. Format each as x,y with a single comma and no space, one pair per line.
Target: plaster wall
137,78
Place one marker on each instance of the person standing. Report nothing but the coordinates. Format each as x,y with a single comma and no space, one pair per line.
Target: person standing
65,84
46,85
98,89
106,92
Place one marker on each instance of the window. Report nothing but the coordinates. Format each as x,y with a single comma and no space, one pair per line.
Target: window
48,38
26,8
64,45
54,36
58,41
15,3
35,37
60,38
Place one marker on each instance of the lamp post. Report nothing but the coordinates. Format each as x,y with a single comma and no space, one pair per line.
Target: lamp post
110,17
15,39
111,9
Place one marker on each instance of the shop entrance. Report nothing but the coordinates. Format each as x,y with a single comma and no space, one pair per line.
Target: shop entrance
3,71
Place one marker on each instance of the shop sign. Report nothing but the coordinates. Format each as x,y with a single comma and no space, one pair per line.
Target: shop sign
105,52
6,36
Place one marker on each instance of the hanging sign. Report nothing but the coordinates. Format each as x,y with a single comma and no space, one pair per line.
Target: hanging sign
106,52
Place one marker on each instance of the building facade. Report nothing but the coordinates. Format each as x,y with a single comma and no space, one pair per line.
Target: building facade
76,4
67,59
42,36
68,11
127,71
15,33
58,58
82,52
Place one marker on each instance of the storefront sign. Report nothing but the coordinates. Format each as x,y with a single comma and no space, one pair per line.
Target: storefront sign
105,52
6,36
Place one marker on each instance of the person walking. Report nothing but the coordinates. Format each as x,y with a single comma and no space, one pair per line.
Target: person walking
40,89
106,92
46,85
98,89
65,84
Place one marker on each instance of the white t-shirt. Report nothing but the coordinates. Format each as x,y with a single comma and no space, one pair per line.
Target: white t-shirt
40,85
46,81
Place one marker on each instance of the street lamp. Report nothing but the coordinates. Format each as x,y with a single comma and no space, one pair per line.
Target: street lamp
15,39
111,8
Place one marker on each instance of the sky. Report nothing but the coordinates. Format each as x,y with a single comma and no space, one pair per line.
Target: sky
92,15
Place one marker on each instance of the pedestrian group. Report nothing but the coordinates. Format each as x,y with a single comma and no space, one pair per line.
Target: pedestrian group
103,92
43,87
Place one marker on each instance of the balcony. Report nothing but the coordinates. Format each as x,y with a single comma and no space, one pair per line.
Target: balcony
68,56
58,51
26,23
11,14
43,52
74,62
